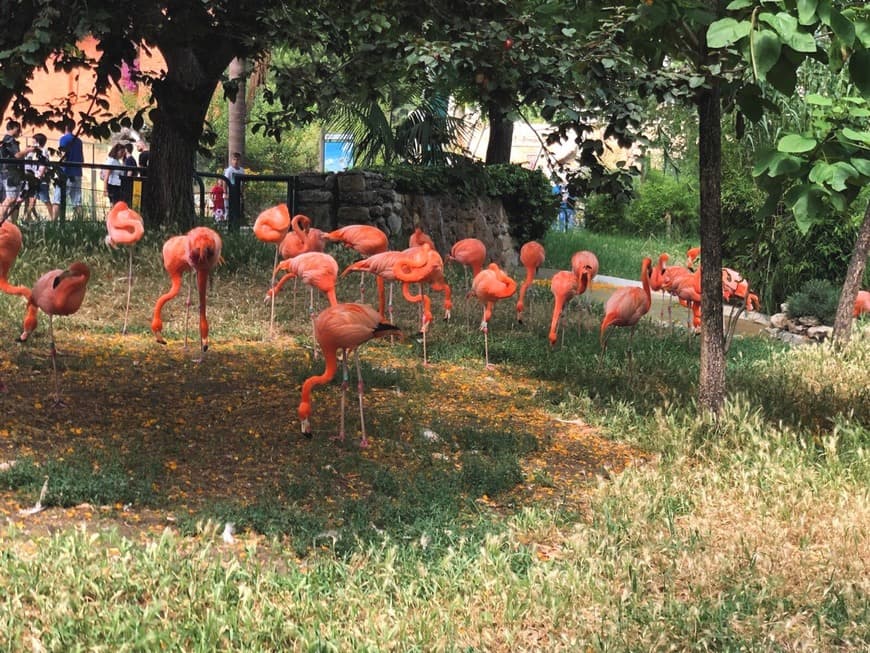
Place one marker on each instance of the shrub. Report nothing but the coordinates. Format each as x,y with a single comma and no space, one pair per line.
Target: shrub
816,297
658,196
603,214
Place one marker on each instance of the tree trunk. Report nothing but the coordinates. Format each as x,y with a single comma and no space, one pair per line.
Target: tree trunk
238,111
712,382
501,134
182,99
852,283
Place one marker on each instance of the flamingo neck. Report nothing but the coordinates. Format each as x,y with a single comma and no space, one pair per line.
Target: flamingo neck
331,366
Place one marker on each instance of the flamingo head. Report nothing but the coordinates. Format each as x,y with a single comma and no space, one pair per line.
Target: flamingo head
77,269
203,251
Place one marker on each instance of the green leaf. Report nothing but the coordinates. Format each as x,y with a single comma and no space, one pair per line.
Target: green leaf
862,32
855,135
818,100
806,203
738,4
766,48
834,175
842,27
795,143
861,165
859,69
807,11
569,31
726,31
787,166
783,76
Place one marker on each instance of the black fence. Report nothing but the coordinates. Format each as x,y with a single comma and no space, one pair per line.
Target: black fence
244,200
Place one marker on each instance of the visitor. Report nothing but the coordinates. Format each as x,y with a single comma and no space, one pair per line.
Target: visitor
234,187
217,203
144,153
37,175
70,177
10,148
113,177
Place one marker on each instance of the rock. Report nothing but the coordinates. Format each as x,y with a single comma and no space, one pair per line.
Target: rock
820,332
779,320
795,327
793,338
809,320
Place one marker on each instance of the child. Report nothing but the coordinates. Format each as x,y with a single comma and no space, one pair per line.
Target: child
217,202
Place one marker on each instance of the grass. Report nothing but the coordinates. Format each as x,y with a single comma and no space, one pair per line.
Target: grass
618,256
476,521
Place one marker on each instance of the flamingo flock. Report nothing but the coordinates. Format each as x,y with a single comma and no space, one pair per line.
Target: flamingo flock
342,328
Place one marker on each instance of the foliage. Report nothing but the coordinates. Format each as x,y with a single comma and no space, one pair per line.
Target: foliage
818,298
659,196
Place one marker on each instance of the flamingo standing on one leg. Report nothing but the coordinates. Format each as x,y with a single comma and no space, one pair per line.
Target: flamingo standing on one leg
363,238
59,292
564,286
491,285
468,252
271,226
625,308
532,257
198,250
419,238
125,227
317,270
345,327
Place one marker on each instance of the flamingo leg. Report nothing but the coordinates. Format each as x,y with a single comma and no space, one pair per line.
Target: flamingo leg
362,287
157,320
484,326
311,315
187,313
129,290
272,285
344,386
202,287
53,353
364,442
390,309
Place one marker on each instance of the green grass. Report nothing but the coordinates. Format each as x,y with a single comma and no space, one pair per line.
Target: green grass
618,256
745,532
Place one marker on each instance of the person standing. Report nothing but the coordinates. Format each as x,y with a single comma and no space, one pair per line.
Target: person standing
217,203
144,153
10,148
72,152
112,178
234,187
37,170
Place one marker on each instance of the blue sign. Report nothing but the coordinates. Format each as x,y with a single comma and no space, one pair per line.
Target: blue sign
337,152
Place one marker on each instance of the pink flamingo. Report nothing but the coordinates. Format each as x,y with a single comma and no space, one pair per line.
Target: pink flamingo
10,245
490,286
656,280
271,226
345,327
419,238
532,257
565,286
468,252
199,250
625,308
862,303
421,265
363,238
125,227
58,292
380,265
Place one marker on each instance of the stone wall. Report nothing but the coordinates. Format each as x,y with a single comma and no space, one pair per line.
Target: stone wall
334,200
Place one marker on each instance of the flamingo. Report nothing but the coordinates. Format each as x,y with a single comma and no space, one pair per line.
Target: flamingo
10,245
656,280
565,286
317,270
58,292
468,252
302,237
125,227
491,285
691,255
625,308
532,257
418,239
687,288
345,327
363,238
271,226
198,250
586,262
862,303
380,265
421,265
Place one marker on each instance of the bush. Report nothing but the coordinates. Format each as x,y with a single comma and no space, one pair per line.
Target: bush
816,297
658,196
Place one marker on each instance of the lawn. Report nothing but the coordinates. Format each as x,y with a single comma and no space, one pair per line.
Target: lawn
557,502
